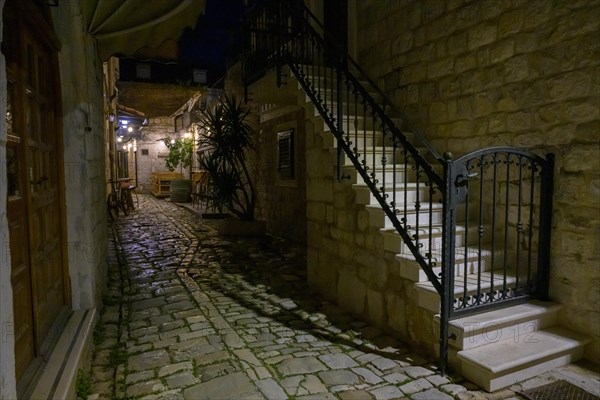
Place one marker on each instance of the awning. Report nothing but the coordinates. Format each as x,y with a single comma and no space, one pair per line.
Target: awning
130,121
124,26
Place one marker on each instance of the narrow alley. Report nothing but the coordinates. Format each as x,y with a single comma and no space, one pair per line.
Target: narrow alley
190,315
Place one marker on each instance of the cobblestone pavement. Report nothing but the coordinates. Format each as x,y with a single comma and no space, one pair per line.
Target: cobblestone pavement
191,315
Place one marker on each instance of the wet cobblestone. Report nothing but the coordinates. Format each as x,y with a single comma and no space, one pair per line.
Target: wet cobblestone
193,315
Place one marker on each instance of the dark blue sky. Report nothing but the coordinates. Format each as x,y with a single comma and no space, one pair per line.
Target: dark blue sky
216,36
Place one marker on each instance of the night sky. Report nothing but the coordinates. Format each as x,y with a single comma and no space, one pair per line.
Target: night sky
216,39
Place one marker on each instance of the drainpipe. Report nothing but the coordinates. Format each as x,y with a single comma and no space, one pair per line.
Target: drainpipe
136,167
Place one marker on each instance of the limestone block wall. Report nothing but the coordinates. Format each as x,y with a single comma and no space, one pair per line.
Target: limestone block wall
154,161
281,202
155,99
471,74
346,261
83,140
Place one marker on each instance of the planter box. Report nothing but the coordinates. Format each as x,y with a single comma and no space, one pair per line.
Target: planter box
235,227
181,190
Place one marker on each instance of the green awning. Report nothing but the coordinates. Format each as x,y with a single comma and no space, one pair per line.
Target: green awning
124,26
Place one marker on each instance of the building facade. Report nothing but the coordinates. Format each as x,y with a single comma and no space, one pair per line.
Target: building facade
53,145
468,74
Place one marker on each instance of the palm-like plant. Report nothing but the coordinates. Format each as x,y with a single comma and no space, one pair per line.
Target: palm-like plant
223,145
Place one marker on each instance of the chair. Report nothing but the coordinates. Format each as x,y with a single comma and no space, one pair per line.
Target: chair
206,195
197,181
196,194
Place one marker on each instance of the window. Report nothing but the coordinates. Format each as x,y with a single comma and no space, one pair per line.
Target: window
179,123
122,164
285,163
144,152
199,75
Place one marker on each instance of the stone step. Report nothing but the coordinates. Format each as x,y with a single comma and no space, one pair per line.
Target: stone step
403,193
71,353
379,219
316,75
400,176
504,363
350,113
429,299
361,139
366,139
327,91
348,120
373,156
400,172
410,269
392,241
351,122
510,323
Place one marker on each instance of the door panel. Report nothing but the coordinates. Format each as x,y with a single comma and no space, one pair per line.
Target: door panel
47,276
34,208
20,267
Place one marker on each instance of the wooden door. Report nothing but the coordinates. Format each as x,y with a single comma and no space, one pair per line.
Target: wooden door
45,244
39,271
18,238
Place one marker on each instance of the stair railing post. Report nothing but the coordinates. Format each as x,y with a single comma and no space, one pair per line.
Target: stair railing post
448,242
546,193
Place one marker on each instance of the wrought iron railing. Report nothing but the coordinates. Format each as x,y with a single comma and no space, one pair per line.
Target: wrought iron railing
502,195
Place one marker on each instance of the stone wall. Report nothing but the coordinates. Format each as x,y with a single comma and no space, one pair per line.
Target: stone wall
155,99
346,260
521,73
154,161
281,202
83,139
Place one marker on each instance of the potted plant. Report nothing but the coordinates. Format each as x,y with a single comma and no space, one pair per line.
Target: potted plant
180,155
224,144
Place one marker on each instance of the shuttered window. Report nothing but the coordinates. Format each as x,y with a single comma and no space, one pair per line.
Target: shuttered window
285,164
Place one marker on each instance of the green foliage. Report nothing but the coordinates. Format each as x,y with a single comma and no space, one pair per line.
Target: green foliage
117,355
224,145
99,333
83,385
110,300
180,153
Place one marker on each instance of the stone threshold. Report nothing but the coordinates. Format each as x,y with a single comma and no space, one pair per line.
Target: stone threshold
72,352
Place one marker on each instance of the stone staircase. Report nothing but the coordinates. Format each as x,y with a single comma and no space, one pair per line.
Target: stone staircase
494,349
